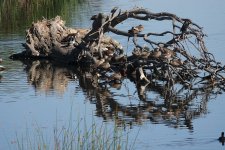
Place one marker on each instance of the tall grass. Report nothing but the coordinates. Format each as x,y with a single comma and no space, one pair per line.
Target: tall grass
77,136
17,15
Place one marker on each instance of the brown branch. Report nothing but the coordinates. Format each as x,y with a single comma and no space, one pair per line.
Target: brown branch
93,46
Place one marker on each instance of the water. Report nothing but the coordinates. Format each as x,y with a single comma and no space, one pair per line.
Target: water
29,102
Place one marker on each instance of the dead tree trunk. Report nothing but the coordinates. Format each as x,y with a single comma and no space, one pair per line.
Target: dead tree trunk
171,61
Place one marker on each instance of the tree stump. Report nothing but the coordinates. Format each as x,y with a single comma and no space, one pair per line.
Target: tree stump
183,59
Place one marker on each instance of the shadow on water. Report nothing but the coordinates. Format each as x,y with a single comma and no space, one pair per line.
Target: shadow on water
174,107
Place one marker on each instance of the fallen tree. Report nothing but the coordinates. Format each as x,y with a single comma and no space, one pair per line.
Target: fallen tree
182,59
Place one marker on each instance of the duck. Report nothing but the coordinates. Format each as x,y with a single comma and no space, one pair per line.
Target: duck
116,84
145,54
156,53
69,40
139,28
176,62
109,52
167,53
105,65
98,62
136,52
136,30
98,21
222,138
2,68
185,25
119,58
114,9
116,76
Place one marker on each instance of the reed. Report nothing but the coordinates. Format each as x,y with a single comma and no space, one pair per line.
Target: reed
17,15
76,136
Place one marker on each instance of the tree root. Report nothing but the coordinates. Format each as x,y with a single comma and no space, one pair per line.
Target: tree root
182,59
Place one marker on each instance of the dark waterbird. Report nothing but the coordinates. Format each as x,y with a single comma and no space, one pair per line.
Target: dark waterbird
185,25
222,138
114,10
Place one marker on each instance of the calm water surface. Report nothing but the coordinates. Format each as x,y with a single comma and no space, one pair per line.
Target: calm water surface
28,102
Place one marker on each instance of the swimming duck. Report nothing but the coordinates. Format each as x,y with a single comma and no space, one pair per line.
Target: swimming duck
2,68
222,138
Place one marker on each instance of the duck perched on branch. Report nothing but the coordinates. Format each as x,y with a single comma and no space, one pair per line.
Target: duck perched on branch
167,58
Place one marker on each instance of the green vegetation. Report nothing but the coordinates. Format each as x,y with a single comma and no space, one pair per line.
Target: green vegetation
17,15
77,137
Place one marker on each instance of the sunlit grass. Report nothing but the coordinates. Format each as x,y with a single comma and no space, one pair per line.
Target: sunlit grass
17,15
76,136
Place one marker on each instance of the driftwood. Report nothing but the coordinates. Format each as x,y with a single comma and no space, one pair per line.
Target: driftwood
182,60
180,70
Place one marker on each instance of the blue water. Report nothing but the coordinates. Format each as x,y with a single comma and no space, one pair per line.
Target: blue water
26,107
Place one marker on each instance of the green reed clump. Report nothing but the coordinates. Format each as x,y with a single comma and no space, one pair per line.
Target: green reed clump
17,15
77,136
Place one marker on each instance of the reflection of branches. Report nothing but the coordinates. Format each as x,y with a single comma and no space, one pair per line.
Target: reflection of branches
44,76
179,70
174,106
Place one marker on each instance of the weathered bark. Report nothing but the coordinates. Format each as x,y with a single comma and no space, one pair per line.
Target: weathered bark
166,61
51,39
179,70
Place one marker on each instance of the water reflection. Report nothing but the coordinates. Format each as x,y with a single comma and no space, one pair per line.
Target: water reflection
155,102
46,77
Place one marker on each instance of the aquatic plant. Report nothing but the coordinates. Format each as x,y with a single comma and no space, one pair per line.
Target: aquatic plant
78,136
